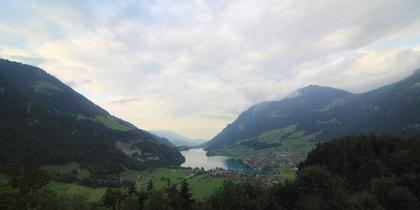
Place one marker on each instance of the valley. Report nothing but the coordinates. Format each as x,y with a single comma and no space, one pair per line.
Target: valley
202,186
277,135
210,105
81,153
205,175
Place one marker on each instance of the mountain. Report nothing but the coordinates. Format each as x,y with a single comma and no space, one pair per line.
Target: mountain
44,117
176,139
314,114
163,140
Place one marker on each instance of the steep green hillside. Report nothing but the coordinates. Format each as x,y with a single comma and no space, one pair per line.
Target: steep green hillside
44,117
313,114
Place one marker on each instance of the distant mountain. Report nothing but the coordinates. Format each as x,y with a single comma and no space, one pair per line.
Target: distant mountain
163,140
42,116
314,114
176,139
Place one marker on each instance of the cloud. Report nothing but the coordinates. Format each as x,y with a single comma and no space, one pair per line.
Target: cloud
193,66
124,100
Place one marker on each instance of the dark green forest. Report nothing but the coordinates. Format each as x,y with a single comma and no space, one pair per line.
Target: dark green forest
43,116
355,172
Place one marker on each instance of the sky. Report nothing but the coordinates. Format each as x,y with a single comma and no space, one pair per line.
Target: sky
193,66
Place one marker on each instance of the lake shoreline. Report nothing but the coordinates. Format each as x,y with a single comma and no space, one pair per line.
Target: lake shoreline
198,158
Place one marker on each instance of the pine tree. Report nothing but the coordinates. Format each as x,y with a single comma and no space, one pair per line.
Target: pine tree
149,186
113,198
186,195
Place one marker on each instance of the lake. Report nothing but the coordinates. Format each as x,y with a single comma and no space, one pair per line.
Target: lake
197,158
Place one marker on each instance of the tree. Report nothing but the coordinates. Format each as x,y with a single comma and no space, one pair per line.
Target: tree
167,180
157,200
381,188
141,198
113,198
362,201
235,196
401,198
7,197
74,202
319,189
130,203
25,174
30,181
149,186
285,195
186,195
173,197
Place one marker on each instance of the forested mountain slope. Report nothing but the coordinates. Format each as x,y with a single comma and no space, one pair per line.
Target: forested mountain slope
44,117
314,114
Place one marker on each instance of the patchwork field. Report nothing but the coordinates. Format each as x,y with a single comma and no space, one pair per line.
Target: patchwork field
65,189
69,169
201,185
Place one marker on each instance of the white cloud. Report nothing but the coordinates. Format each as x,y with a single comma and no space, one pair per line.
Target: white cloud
192,66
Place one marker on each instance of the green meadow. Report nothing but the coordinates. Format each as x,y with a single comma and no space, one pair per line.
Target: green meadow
67,169
66,189
201,185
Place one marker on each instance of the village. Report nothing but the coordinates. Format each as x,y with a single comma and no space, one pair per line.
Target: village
256,179
270,163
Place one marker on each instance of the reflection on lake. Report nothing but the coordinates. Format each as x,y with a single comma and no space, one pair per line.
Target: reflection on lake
197,158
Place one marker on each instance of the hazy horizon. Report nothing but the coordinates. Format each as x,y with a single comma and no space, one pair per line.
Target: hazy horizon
192,66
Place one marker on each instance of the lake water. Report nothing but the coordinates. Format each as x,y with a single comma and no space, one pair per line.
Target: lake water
197,158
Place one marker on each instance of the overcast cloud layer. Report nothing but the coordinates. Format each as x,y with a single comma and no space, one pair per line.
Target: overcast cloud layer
193,66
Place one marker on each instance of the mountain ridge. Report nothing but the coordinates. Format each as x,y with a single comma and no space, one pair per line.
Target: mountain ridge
176,139
316,113
43,116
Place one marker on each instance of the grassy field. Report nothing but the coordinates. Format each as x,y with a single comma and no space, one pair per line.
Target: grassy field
45,87
276,135
130,174
289,141
174,175
108,121
65,189
286,173
201,186
67,169
111,122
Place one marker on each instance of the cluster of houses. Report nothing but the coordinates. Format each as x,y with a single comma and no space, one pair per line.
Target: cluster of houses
146,174
237,176
268,166
274,161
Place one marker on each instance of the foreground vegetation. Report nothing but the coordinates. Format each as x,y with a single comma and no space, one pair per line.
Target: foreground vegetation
363,172
201,185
